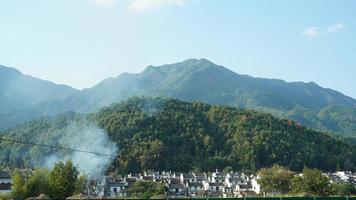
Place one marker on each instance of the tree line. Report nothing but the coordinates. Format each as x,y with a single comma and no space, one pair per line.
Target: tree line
65,180
278,180
62,181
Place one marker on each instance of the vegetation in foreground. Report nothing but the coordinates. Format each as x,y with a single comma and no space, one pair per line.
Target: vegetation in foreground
279,180
64,181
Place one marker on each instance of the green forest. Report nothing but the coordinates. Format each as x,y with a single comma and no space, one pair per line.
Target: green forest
168,134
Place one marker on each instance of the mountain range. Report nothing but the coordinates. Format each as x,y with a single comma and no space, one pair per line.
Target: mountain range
24,98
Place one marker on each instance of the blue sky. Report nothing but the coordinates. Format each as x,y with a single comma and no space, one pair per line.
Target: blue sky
81,42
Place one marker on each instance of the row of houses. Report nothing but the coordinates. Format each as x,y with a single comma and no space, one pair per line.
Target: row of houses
217,184
342,177
192,184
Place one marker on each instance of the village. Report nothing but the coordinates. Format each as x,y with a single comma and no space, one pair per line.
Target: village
192,184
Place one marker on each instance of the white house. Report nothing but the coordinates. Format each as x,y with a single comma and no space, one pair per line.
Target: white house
177,189
195,189
200,177
217,177
214,186
186,178
256,187
344,175
244,190
116,189
233,181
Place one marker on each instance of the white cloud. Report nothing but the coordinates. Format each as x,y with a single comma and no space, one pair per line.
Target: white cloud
314,31
141,5
105,2
311,32
334,28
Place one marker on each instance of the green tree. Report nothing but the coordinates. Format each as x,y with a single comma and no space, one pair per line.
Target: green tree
81,184
5,197
63,179
346,189
228,169
37,183
146,189
18,185
313,182
276,179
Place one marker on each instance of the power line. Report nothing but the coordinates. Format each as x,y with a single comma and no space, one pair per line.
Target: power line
55,147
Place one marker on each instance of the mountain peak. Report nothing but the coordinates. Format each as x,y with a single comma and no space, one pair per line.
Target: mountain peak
197,61
189,65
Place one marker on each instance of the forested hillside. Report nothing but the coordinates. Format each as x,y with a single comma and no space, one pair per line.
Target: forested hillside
168,134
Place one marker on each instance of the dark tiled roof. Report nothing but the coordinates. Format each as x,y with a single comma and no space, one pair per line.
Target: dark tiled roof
176,185
174,180
236,179
195,184
147,178
130,179
188,175
113,179
245,186
117,184
217,184
5,186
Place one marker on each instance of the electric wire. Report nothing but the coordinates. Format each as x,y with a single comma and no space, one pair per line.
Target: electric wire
55,147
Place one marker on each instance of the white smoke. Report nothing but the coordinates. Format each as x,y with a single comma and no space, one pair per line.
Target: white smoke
85,136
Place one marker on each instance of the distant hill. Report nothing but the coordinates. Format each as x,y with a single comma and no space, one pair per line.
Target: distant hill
20,94
167,134
201,80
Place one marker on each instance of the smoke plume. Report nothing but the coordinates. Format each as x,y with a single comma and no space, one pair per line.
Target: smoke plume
85,136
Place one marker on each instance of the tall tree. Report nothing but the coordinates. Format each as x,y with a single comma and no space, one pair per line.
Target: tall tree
63,179
38,183
146,189
18,185
313,181
276,179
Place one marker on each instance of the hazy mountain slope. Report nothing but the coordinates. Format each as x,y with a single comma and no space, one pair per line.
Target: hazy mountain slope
199,79
167,134
20,93
202,80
